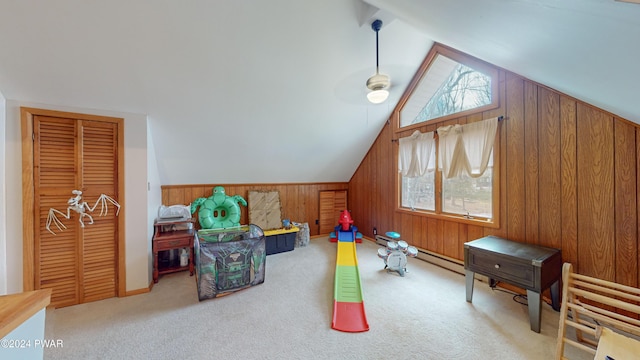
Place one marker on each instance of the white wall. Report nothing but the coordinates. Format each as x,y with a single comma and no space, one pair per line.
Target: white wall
3,194
153,188
137,235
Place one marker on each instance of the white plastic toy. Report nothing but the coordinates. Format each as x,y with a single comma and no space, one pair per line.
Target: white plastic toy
395,255
81,207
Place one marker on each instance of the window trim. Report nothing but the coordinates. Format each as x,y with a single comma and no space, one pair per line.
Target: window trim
475,114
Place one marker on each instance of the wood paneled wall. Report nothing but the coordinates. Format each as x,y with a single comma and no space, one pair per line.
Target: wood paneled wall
569,174
300,202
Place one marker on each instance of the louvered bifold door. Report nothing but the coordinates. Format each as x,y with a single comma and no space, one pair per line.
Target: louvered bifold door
55,175
78,263
331,204
99,176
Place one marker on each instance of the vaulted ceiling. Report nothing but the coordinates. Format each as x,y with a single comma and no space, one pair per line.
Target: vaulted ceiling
252,91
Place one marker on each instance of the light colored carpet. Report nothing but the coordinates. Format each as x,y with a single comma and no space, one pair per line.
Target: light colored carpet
422,315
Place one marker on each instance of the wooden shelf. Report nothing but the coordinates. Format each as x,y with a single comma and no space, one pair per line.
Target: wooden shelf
172,235
167,235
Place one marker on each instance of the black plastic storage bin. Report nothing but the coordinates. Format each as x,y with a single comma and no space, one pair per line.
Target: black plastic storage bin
280,243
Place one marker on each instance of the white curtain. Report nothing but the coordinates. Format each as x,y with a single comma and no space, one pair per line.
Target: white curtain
416,154
478,139
466,149
451,159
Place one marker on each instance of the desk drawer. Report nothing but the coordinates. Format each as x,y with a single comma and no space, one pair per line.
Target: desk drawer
168,244
502,268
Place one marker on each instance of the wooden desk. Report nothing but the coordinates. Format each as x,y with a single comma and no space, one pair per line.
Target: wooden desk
530,267
170,235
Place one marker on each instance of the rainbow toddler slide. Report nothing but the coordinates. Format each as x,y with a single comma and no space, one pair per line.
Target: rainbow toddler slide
348,307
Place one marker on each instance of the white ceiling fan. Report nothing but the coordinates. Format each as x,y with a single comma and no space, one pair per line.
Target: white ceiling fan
378,84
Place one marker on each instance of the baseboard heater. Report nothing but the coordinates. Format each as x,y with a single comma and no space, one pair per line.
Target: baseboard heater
430,257
454,265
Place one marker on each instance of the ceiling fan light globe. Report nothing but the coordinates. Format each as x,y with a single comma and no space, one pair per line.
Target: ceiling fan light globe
377,96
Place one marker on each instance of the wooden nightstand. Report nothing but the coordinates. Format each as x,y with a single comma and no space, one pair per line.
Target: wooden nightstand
534,268
170,235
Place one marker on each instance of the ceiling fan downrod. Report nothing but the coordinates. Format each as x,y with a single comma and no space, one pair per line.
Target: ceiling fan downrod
376,26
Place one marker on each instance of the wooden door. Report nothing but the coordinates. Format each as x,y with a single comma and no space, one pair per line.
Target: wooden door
99,176
79,264
55,174
332,202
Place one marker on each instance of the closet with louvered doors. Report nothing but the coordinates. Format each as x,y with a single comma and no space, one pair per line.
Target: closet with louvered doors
80,264
331,203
